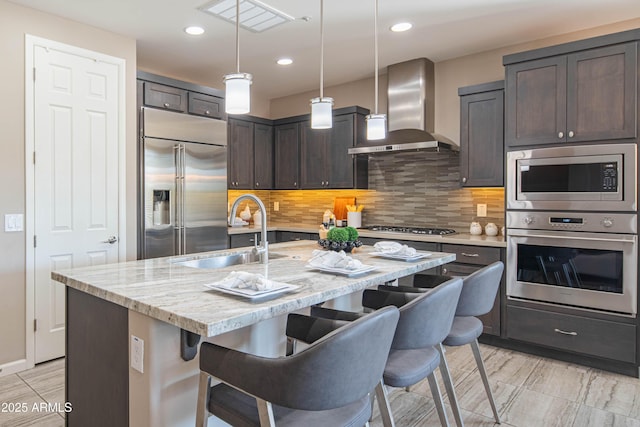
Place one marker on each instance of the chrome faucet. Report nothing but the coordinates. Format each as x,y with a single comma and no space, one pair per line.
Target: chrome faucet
263,249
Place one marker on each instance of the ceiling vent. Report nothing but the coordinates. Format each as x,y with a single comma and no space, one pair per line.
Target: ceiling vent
255,16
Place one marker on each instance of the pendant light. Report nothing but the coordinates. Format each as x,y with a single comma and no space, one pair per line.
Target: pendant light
238,93
376,123
321,107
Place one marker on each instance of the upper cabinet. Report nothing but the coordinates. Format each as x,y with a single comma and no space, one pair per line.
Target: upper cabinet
307,158
579,92
174,95
250,150
482,135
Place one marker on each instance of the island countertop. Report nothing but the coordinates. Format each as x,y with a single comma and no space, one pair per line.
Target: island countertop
164,290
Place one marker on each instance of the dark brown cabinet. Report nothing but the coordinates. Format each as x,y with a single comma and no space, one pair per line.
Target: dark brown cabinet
586,95
482,135
183,97
287,155
165,97
250,154
321,156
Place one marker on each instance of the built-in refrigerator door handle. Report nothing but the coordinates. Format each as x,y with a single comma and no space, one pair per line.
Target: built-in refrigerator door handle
183,172
177,202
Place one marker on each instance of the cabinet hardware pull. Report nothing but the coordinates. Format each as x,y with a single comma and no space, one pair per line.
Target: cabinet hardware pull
207,112
560,331
445,271
464,179
469,255
560,134
257,184
166,105
571,134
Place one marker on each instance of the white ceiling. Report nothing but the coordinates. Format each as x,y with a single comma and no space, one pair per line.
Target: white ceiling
443,29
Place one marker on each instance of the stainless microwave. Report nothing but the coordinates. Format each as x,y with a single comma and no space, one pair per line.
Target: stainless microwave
582,177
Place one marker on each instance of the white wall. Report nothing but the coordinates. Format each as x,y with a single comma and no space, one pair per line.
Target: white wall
15,22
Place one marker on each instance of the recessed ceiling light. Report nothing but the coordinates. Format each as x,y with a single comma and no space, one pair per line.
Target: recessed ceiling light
285,61
401,26
194,31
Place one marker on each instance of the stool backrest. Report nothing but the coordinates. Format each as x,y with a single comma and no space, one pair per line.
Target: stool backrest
479,290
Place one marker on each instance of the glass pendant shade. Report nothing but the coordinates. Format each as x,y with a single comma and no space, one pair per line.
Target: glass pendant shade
376,126
321,113
238,93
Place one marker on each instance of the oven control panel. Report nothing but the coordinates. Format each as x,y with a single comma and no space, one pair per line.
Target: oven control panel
573,221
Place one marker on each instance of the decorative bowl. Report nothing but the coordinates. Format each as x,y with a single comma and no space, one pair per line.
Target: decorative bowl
339,246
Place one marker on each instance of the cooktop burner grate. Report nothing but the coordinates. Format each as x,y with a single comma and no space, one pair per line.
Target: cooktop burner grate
414,230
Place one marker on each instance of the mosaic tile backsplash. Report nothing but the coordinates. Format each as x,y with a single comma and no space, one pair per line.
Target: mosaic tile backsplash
405,189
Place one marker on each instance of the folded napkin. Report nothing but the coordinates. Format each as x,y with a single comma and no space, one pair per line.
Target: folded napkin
333,259
394,248
244,280
237,221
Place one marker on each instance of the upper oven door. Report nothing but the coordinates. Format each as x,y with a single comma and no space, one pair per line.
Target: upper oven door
585,178
589,270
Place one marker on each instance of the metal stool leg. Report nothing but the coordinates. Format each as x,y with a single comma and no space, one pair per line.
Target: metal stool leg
384,406
437,398
448,385
483,374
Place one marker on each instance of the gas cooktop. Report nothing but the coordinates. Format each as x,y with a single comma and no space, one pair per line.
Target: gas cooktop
413,230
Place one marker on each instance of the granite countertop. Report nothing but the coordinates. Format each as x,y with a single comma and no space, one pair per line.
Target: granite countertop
175,294
456,239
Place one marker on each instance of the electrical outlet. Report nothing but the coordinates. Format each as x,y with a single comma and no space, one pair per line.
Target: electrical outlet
482,209
13,222
137,353
276,206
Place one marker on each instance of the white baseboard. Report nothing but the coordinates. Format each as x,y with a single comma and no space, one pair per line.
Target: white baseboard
13,367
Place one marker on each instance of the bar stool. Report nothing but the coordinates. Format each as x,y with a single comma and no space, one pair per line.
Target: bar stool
327,384
425,320
479,291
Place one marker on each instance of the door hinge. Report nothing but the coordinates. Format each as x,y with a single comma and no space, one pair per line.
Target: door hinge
34,157
34,74
35,241
35,325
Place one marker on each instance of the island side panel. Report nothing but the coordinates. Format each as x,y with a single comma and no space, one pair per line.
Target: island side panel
96,364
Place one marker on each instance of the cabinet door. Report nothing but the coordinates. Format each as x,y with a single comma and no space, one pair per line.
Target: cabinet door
601,93
314,160
482,139
166,97
536,102
240,149
262,156
340,163
205,105
287,150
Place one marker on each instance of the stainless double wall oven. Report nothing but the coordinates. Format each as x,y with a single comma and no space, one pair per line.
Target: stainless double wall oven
572,232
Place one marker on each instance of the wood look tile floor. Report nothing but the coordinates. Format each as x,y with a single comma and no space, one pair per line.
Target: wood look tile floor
530,391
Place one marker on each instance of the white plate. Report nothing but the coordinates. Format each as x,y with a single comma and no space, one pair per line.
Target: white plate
344,271
254,294
415,257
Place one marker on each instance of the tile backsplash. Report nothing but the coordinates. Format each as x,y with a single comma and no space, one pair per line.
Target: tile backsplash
405,188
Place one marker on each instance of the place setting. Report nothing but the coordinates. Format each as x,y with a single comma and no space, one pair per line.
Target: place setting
338,263
397,251
249,285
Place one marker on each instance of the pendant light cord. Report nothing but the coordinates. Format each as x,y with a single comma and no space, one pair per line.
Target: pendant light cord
238,36
375,49
321,49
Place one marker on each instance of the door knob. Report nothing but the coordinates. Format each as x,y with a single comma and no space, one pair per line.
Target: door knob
111,240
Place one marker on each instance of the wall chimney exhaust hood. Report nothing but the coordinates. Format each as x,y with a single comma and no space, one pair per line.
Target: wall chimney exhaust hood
410,111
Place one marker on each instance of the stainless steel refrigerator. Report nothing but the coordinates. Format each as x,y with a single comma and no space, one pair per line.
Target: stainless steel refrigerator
184,184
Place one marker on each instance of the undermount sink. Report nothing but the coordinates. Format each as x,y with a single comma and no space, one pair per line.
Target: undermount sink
220,261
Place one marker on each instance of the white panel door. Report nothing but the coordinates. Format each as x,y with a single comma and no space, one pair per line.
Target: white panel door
76,125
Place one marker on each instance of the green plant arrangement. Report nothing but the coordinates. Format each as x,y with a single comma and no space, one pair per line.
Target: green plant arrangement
341,239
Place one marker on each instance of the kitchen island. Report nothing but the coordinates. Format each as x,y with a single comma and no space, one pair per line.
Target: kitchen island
153,305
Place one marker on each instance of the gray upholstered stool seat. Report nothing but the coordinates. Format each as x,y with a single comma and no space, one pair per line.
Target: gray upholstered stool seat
408,367
240,409
464,330
327,384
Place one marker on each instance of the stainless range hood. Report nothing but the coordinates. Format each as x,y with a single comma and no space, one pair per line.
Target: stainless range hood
410,111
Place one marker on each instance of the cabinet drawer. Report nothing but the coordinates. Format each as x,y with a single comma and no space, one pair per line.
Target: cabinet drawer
469,254
205,105
291,236
166,97
595,337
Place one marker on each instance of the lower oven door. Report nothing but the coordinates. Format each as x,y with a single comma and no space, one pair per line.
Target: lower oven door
595,271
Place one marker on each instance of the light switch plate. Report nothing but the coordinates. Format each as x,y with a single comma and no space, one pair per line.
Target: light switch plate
482,209
13,222
137,353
